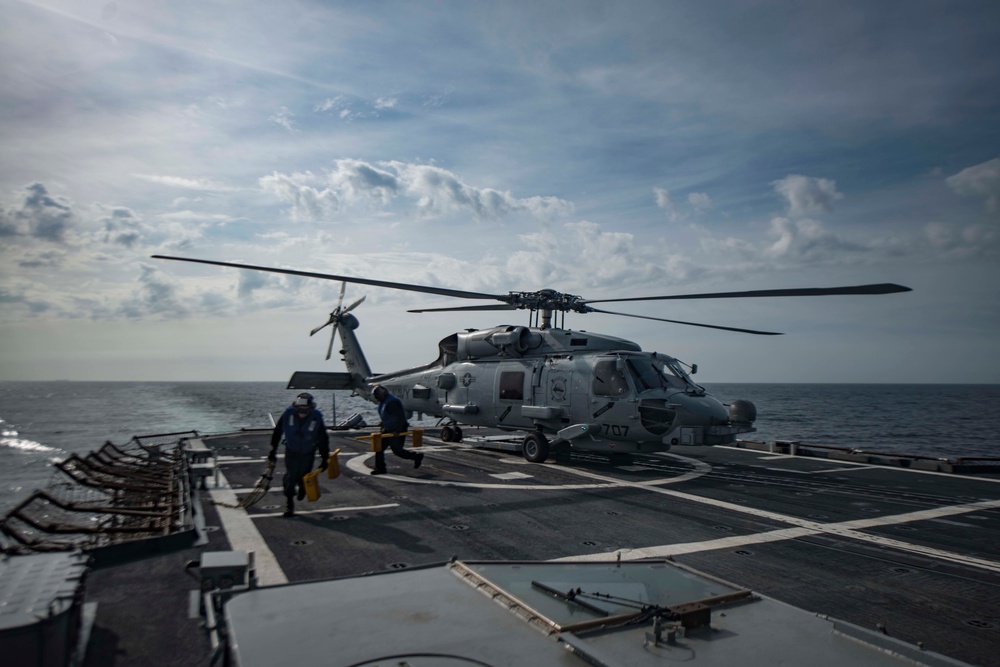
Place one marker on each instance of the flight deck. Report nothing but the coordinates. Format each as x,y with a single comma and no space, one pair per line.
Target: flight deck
913,553
910,556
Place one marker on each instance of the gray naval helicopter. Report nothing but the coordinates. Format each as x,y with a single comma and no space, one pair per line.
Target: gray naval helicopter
565,390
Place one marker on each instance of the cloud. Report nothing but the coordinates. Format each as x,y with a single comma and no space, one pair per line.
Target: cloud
283,117
123,226
188,183
700,202
308,202
152,294
346,110
664,201
962,242
249,281
357,180
584,254
439,191
806,240
16,297
981,180
436,191
39,215
806,195
36,258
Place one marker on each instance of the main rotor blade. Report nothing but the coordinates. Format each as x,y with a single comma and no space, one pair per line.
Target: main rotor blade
693,324
880,288
502,306
460,294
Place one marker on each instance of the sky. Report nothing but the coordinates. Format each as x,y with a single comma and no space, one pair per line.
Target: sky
607,150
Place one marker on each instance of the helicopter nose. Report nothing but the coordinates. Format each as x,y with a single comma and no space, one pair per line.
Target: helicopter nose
700,410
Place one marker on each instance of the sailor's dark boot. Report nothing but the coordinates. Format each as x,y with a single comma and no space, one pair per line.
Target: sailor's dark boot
289,508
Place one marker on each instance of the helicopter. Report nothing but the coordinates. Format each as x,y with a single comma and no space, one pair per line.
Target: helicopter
565,390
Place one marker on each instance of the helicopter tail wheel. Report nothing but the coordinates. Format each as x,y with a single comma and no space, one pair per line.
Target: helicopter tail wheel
536,447
448,434
457,434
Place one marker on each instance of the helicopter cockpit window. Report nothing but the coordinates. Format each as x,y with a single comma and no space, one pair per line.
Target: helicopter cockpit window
677,377
609,379
645,375
512,385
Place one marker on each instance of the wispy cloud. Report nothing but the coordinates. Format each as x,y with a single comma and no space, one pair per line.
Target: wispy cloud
184,183
981,180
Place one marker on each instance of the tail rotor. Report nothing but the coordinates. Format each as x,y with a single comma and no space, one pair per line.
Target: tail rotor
335,318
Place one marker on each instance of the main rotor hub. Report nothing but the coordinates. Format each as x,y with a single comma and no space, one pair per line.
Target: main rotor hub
546,299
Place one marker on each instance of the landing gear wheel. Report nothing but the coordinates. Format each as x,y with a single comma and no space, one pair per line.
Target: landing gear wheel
457,435
448,434
536,447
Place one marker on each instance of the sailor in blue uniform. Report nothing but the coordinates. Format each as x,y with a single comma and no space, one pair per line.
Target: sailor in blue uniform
393,415
303,431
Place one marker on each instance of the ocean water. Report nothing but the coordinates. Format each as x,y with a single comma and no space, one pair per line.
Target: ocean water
43,422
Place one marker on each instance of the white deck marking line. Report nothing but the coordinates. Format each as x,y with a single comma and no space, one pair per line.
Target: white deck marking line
510,475
861,466
326,510
249,489
847,529
244,536
825,471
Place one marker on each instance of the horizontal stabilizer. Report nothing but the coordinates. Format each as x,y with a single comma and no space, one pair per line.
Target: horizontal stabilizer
320,380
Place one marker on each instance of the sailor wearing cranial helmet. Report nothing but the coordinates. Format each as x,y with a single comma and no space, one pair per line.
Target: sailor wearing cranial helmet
302,429
394,423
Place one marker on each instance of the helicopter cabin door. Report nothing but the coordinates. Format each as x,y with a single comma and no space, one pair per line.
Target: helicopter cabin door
513,392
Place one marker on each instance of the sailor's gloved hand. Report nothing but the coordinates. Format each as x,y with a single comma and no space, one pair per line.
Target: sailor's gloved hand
322,465
272,456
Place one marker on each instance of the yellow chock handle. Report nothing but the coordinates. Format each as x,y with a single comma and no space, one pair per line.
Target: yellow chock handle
312,485
333,465
417,435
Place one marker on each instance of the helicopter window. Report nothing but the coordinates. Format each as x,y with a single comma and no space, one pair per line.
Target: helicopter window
608,379
676,377
645,375
512,385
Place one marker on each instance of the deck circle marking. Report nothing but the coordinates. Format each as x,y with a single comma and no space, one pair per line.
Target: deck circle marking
357,465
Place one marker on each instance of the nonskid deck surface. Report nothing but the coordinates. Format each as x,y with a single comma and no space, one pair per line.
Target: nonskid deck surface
916,553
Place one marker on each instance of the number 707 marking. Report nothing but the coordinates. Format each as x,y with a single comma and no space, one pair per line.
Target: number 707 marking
619,430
